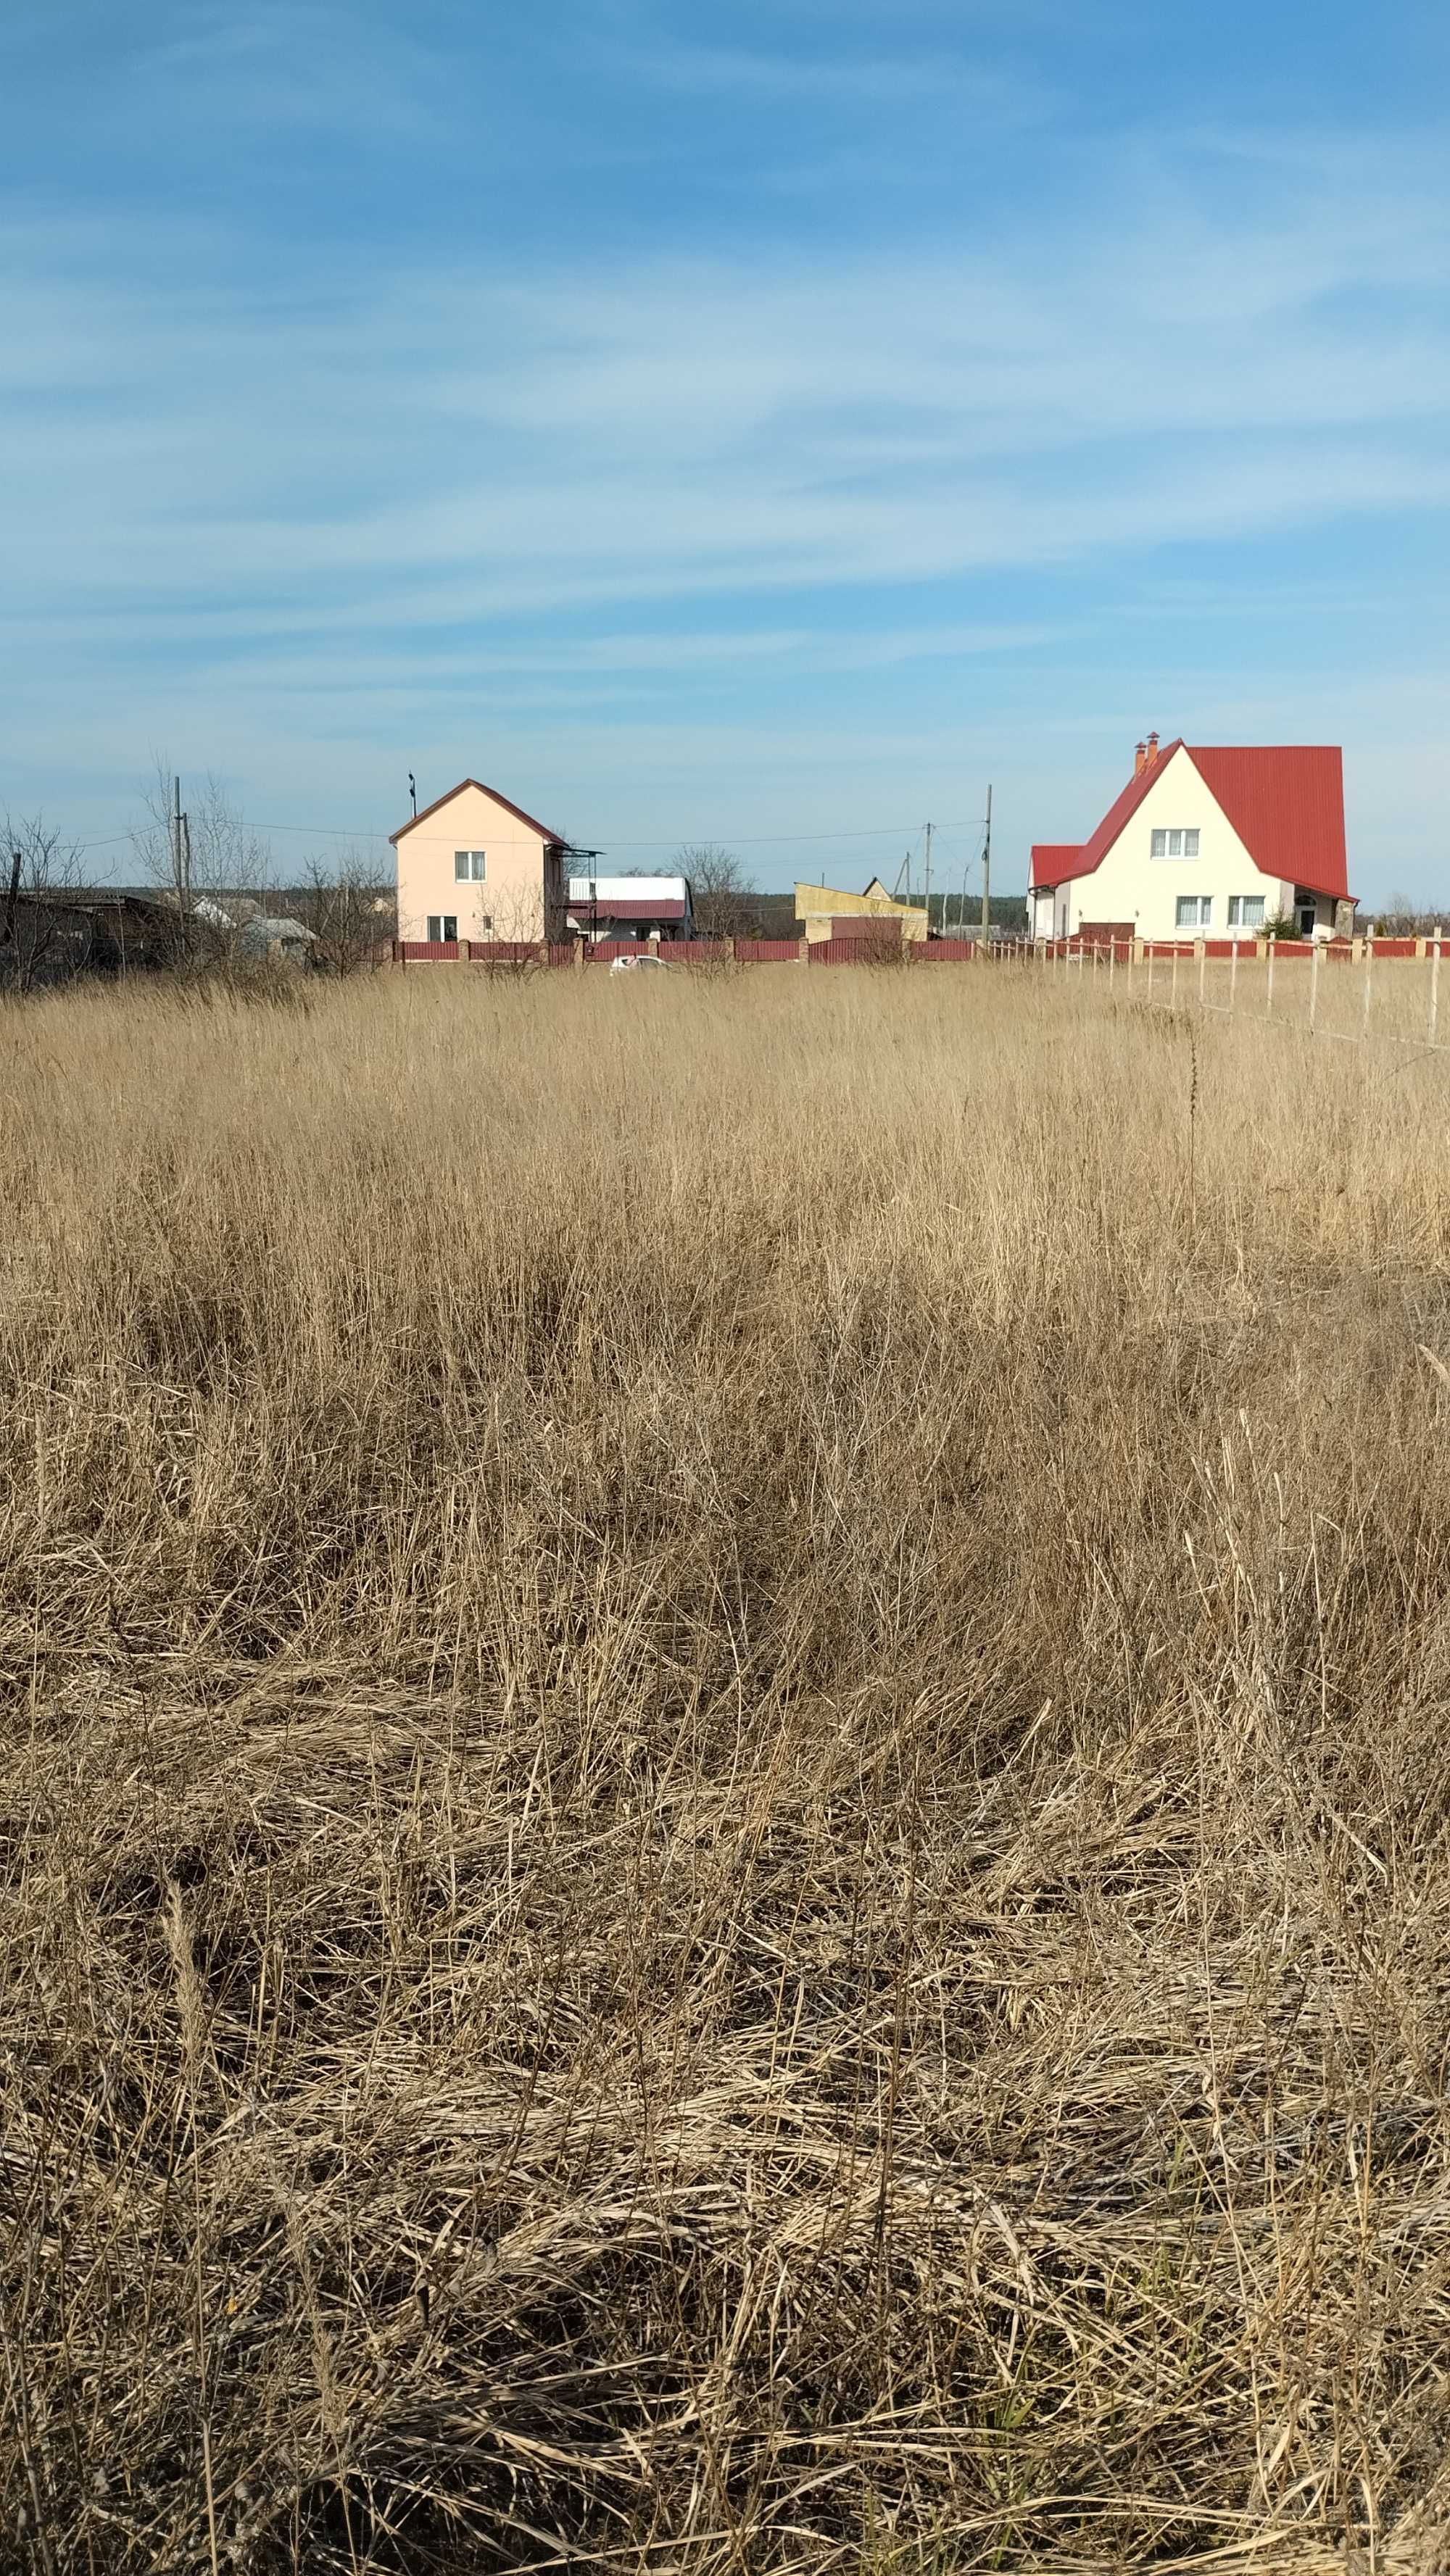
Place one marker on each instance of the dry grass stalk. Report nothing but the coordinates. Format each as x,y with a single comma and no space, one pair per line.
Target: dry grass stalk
724,1813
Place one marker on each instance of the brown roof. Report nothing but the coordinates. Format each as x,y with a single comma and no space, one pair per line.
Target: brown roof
557,838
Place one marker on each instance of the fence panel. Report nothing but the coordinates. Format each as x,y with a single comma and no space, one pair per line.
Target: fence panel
429,952
768,952
854,952
560,952
693,952
947,952
507,952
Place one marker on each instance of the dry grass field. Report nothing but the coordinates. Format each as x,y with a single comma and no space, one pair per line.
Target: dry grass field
726,1773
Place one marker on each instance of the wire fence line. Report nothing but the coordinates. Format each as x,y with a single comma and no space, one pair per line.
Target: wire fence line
1349,992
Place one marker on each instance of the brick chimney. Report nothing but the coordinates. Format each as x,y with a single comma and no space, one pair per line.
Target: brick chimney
1140,759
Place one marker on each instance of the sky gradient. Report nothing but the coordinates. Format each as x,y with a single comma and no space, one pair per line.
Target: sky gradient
762,424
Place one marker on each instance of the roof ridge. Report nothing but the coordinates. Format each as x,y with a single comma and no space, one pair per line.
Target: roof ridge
556,839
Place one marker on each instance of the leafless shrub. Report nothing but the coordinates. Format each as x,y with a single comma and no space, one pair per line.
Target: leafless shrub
349,906
43,936
722,1819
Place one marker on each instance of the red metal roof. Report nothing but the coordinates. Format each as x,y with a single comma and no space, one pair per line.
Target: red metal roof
611,907
1285,801
1286,804
556,838
1053,862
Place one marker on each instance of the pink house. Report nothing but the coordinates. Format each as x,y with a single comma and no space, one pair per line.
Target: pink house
475,866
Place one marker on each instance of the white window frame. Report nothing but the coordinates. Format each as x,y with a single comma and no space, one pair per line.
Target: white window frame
1239,916
1182,833
1193,912
469,866
442,929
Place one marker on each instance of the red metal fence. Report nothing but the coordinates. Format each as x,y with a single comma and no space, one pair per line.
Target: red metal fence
768,952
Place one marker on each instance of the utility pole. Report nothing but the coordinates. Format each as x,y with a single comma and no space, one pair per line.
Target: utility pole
928,880
181,849
987,874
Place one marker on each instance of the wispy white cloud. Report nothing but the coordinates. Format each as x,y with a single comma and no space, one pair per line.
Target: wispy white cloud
693,427
336,491
875,82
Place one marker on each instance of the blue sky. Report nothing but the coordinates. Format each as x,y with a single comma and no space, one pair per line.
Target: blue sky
755,423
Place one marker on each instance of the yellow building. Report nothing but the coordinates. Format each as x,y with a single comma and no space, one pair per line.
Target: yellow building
819,907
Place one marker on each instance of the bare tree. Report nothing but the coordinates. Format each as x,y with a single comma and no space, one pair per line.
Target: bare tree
1403,918
723,896
349,907
42,935
204,855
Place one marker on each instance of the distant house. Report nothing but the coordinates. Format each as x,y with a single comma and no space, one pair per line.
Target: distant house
1216,840
475,866
278,937
830,912
631,908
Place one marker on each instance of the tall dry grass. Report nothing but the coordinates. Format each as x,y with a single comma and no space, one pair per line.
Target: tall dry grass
725,1786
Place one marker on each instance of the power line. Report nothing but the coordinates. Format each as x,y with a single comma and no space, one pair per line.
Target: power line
736,840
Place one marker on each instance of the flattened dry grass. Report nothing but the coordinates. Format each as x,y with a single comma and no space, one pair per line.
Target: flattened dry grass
725,1790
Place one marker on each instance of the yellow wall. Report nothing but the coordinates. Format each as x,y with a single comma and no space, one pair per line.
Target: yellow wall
815,904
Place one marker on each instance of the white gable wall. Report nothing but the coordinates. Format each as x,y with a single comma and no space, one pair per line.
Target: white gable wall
1130,885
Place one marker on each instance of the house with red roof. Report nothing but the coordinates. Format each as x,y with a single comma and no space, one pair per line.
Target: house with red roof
473,865
1204,841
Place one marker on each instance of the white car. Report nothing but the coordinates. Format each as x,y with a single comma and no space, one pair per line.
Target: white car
631,965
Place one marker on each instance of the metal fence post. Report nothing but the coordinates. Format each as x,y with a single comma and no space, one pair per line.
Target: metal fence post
1150,970
1434,985
1233,972
1313,983
1269,984
1368,972
1173,985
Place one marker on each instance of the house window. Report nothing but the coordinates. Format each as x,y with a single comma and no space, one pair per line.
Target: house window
1175,845
1194,911
442,927
468,866
1245,911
